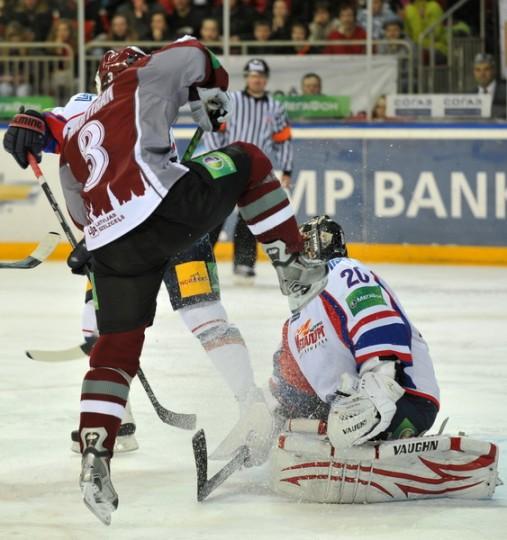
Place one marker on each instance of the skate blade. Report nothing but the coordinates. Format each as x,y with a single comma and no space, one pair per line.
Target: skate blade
102,510
243,281
127,443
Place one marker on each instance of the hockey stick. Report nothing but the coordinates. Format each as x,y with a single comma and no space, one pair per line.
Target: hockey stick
181,420
205,486
43,250
73,242
193,144
74,353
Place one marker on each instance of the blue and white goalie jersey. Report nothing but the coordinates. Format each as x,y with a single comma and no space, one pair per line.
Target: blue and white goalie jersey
355,318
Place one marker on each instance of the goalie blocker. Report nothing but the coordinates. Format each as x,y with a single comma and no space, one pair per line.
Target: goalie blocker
307,467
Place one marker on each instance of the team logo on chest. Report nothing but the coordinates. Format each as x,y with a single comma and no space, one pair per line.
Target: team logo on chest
309,336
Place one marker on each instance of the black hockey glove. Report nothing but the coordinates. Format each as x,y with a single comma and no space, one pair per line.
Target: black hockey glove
26,133
79,259
214,117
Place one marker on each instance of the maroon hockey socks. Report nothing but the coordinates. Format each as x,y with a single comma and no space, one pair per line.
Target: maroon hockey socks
265,206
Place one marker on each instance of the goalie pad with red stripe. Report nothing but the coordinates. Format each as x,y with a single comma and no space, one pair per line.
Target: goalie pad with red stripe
306,467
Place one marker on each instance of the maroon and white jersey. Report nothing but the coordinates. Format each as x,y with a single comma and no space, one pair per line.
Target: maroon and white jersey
117,156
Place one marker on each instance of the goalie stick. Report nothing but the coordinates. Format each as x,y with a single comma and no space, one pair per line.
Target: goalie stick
43,250
205,486
180,420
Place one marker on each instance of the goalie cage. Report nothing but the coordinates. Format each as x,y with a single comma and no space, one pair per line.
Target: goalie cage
308,468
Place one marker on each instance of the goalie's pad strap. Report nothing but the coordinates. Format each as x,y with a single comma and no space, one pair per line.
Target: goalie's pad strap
309,468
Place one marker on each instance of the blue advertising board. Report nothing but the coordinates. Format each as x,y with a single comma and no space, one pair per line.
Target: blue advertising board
402,186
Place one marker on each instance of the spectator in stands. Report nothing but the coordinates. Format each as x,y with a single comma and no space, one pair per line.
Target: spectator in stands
241,21
120,29
159,29
262,34
419,15
485,76
96,16
138,13
35,16
210,32
62,75
4,17
12,79
63,31
311,85
393,32
185,19
322,24
348,29
379,109
280,21
380,12
299,32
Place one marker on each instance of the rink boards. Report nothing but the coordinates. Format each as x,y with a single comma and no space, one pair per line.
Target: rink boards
402,193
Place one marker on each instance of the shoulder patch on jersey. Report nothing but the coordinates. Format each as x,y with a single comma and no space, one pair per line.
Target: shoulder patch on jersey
365,297
84,97
218,164
295,317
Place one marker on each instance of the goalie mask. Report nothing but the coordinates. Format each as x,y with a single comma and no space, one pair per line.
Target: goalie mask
113,63
324,238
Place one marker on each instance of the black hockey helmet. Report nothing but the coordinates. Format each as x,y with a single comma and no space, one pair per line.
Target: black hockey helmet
324,238
256,65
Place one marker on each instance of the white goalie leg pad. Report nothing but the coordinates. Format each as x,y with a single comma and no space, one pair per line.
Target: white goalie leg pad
308,468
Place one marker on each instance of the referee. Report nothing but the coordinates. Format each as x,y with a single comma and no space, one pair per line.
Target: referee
256,118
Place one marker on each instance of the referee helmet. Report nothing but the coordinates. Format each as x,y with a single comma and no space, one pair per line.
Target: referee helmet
256,65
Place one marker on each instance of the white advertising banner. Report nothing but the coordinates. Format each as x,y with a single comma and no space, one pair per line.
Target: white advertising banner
439,105
342,75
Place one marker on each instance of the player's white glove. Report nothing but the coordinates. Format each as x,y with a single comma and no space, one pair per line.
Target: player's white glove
368,412
211,109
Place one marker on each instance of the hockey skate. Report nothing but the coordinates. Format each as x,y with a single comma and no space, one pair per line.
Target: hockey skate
301,278
98,492
243,275
254,428
125,440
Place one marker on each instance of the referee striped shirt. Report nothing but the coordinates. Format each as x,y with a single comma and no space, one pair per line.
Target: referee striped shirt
260,121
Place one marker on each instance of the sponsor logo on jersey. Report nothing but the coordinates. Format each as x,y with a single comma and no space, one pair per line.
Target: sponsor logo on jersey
309,337
218,164
193,278
364,298
410,448
103,223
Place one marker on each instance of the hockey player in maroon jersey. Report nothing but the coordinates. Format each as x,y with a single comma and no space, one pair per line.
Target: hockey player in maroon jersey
191,280
137,208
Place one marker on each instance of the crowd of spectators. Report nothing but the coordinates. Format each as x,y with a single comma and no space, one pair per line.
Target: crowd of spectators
264,21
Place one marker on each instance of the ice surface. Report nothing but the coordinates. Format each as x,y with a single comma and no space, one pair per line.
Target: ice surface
462,312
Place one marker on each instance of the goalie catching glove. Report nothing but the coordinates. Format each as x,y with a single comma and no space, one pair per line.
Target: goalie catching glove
368,411
26,132
209,108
